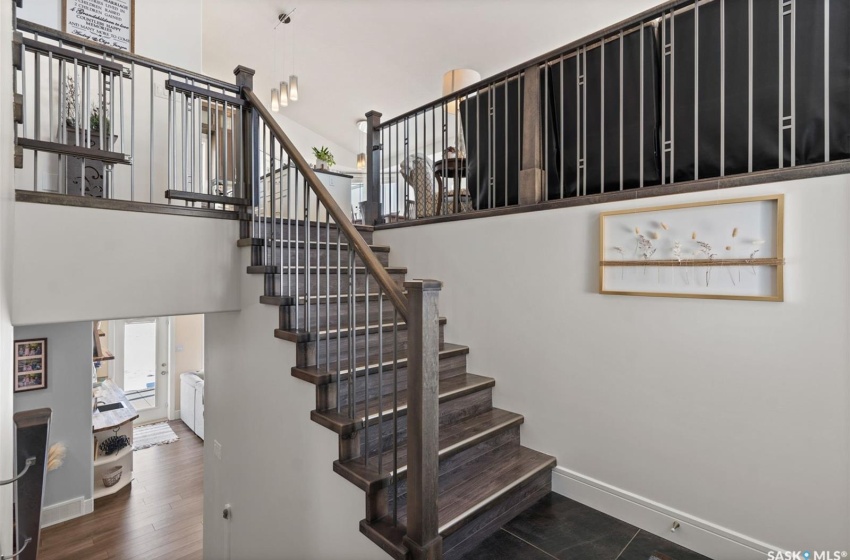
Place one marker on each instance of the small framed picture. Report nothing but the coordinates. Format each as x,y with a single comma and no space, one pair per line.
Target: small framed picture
30,364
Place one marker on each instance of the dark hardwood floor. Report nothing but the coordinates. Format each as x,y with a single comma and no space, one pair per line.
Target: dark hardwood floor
159,516
557,528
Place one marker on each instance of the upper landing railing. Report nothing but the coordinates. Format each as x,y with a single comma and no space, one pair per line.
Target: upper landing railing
687,91
104,123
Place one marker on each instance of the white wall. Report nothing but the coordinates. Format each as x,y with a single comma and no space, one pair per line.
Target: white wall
276,466
167,31
6,236
735,414
69,395
68,269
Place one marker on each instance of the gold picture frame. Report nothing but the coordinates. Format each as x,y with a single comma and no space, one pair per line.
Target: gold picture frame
132,40
776,261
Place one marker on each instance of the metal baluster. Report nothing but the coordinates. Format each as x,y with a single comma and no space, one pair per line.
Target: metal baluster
226,174
380,449
366,323
100,111
132,127
150,139
672,97
295,247
318,278
794,83
171,153
24,88
307,271
722,88
579,86
272,180
214,124
602,116
210,116
289,211
338,319
664,55
505,155
826,84
37,111
352,379
328,289
397,169
696,90
750,90
640,129
395,417
621,110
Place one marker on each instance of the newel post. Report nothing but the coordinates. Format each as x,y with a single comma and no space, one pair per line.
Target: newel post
245,79
532,180
371,209
423,420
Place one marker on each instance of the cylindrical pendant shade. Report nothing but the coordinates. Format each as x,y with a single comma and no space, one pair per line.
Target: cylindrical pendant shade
275,101
456,80
293,87
284,94
361,161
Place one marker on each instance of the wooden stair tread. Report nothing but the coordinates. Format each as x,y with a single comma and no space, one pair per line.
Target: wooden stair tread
258,242
485,481
454,438
267,269
305,336
505,469
450,389
320,375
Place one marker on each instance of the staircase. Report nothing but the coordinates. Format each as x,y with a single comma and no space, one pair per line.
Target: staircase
440,467
486,477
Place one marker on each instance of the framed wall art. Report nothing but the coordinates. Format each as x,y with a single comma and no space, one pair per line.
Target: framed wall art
108,22
30,371
724,249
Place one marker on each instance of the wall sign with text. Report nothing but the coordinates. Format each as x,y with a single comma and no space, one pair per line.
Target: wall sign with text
108,22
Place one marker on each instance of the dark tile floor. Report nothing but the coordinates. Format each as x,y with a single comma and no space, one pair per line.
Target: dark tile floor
562,529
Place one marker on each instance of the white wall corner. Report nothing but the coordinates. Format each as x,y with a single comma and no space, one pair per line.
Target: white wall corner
694,533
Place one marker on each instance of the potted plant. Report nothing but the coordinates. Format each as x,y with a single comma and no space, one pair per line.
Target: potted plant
97,115
324,158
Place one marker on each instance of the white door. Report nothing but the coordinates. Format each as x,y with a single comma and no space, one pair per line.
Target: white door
141,361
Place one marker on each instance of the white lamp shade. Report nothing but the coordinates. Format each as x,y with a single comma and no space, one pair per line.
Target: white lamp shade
456,80
284,94
293,87
361,161
275,101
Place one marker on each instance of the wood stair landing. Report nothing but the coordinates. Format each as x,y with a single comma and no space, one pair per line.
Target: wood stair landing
486,477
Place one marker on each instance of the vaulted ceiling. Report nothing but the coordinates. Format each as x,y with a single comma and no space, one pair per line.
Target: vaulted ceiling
388,55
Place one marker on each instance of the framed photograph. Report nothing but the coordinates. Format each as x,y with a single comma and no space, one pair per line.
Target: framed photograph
30,371
111,23
722,249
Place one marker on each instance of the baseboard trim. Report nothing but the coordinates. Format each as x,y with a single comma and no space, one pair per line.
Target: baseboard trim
65,511
694,533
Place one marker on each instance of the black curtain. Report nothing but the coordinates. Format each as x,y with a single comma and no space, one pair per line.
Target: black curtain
491,122
809,86
568,113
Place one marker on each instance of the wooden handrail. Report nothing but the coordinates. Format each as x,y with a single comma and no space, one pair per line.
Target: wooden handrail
370,261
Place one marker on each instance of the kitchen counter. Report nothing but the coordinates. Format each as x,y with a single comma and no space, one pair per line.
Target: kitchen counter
109,393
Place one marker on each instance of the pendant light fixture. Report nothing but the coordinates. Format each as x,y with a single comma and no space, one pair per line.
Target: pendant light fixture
287,91
275,101
361,157
284,94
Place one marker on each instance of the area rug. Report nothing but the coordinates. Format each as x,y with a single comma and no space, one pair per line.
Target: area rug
153,434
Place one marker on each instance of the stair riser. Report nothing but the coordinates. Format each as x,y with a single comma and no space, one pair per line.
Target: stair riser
508,437
273,283
313,353
450,412
499,513
449,367
265,256
319,313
